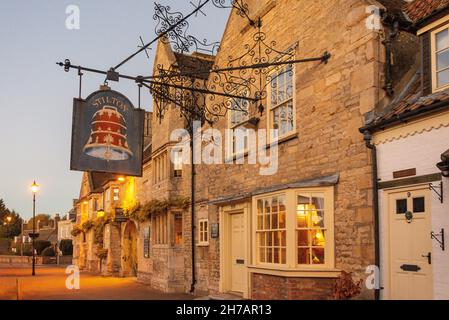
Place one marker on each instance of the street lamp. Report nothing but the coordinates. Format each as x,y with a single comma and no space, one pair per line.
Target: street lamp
34,189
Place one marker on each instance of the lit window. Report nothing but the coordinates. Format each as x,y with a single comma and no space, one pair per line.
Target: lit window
295,229
281,101
178,239
310,229
116,194
203,236
271,230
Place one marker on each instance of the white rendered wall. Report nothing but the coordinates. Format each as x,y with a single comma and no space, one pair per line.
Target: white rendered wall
421,151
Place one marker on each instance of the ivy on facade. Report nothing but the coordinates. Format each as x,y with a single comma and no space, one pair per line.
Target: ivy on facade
142,213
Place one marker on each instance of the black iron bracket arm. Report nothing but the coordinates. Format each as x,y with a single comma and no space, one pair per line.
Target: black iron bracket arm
439,238
140,80
439,192
323,59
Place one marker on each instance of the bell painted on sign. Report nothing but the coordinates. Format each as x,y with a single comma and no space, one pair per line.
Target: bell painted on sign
108,138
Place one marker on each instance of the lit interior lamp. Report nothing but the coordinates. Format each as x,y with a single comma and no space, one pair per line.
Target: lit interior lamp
9,219
100,213
85,202
121,179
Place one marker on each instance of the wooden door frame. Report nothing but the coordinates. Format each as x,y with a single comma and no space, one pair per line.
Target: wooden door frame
387,222
225,246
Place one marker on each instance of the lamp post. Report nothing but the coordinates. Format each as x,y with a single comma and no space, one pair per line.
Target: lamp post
34,189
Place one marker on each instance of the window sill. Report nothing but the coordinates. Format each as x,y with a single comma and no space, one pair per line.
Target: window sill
202,245
283,139
295,273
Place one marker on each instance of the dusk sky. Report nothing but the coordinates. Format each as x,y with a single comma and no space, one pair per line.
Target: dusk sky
36,95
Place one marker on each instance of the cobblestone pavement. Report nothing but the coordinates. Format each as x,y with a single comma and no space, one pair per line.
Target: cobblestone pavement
16,283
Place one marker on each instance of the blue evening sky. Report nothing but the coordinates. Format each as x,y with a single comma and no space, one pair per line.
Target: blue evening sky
36,95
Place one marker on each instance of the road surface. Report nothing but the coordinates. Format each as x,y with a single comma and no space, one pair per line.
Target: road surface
16,283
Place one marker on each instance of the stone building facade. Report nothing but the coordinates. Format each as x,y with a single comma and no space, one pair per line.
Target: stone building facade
287,235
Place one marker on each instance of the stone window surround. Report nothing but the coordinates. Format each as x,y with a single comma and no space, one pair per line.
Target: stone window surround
291,265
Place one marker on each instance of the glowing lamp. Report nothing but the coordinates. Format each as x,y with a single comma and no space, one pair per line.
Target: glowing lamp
121,179
34,187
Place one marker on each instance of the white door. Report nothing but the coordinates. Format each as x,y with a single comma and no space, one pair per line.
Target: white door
410,245
238,245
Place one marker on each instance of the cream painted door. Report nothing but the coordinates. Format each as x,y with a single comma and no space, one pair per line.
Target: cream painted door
410,245
238,245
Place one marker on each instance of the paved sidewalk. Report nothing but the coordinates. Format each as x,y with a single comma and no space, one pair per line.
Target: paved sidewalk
49,284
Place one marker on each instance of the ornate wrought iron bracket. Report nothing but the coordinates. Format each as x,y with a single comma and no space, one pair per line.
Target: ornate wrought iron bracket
440,192
439,238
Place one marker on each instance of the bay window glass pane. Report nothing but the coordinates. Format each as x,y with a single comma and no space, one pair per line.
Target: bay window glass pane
271,234
310,228
303,256
283,256
443,60
276,255
443,78
318,238
262,255
270,255
318,256
442,40
303,238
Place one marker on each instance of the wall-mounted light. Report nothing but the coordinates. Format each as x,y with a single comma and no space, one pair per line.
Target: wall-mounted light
444,164
121,179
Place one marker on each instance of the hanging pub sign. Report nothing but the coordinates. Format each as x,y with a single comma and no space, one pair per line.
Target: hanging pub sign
107,134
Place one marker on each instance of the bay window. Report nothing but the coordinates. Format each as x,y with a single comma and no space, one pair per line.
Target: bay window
294,229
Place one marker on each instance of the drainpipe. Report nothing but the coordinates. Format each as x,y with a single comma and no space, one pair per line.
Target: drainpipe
192,190
368,138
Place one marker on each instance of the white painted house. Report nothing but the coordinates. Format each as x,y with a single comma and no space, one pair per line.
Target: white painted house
409,139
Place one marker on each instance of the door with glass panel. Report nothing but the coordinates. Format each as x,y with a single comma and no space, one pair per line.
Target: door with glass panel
410,244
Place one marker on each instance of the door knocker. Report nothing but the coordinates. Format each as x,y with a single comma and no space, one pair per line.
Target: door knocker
409,216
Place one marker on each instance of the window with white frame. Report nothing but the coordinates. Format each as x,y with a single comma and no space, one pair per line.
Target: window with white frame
203,230
310,228
238,115
282,109
271,233
440,58
294,229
